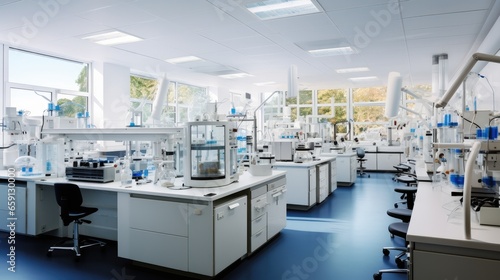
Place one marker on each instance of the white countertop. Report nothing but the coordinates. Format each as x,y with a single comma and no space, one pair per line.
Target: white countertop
434,222
346,154
321,160
246,180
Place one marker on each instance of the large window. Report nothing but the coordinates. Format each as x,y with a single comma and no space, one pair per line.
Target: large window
35,80
369,109
47,71
332,107
183,103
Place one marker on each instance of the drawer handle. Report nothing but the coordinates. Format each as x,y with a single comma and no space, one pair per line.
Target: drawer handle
234,206
277,194
259,233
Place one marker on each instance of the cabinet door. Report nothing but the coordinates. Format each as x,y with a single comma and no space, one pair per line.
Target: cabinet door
230,232
343,169
276,214
333,175
387,161
371,161
18,202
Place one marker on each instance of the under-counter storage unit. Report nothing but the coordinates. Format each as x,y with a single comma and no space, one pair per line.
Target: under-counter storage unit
13,207
322,182
387,161
230,239
301,185
276,212
267,210
346,168
303,181
333,175
258,218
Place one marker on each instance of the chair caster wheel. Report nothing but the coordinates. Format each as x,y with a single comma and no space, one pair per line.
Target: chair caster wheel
77,258
386,252
400,263
377,276
49,253
395,205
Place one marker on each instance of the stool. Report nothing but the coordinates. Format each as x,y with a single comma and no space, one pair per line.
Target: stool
409,192
399,229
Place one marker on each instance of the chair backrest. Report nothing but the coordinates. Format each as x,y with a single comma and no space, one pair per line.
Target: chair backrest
360,152
69,197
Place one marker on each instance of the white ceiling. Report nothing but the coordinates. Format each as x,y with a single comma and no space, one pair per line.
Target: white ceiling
389,35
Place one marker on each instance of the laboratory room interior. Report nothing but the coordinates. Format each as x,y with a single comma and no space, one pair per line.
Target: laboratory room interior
249,139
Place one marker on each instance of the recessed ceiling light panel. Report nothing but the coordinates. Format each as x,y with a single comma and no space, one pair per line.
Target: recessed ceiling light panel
364,79
352,70
183,59
271,9
112,38
332,51
235,76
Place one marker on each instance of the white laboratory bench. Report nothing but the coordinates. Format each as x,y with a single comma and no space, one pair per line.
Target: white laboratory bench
309,182
438,247
184,230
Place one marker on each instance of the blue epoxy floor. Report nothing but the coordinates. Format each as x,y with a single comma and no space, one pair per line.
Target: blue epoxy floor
342,238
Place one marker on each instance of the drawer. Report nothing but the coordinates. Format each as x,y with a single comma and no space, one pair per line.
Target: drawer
156,248
276,184
259,224
159,216
258,191
258,239
259,206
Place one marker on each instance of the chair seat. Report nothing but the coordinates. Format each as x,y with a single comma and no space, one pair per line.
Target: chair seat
406,190
400,213
399,229
78,213
406,179
402,167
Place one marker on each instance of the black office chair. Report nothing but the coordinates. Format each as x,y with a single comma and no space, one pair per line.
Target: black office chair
399,229
69,198
360,152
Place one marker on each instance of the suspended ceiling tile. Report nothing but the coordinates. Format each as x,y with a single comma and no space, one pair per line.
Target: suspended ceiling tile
305,28
468,29
431,7
334,5
247,42
455,19
227,32
118,15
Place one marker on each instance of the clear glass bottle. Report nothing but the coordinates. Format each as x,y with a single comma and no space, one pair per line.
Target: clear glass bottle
125,174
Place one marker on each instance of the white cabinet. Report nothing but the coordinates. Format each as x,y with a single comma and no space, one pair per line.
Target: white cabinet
267,212
322,182
258,217
301,186
346,168
156,228
386,161
371,161
13,209
230,229
276,212
333,175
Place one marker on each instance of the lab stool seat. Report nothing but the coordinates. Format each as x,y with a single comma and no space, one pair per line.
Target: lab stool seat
407,179
409,193
403,214
400,170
